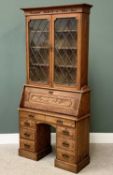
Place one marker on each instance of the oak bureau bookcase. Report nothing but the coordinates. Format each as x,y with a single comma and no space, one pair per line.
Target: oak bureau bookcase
56,92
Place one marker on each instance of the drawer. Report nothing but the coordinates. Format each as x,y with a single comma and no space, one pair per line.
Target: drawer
28,134
28,115
66,132
27,145
49,119
66,144
60,121
27,123
65,156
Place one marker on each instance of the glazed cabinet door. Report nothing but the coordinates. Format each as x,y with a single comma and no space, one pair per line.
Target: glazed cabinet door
65,50
38,49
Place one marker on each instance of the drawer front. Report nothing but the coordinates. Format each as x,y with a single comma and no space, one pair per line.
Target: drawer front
66,132
28,115
27,123
66,144
65,156
27,145
60,121
49,119
28,134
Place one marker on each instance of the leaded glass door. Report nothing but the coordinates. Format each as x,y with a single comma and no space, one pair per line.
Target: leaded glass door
39,50
65,51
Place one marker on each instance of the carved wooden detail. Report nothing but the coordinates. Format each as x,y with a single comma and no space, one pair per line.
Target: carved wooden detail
37,98
58,9
49,11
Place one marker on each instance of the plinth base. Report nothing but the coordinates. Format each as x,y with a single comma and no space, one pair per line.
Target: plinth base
72,167
35,155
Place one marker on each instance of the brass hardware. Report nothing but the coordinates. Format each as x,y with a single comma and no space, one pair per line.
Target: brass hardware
65,144
51,92
27,124
26,146
60,122
31,116
65,156
26,134
65,132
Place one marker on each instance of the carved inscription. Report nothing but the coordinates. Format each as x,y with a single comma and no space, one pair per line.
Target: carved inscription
59,101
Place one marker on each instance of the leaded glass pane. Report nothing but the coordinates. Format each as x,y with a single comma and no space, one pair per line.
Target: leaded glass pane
39,50
65,51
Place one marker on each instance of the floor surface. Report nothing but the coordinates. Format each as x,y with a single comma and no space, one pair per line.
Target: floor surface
12,164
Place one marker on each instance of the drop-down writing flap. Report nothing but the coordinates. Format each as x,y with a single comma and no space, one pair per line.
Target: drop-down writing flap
70,103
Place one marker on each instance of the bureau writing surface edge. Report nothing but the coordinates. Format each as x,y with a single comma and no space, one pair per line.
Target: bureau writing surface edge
56,92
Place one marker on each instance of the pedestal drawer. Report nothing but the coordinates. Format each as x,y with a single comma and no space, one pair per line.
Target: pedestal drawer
27,145
28,134
24,122
66,132
65,156
66,144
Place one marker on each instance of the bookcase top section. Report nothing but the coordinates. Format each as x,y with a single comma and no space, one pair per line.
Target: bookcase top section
78,8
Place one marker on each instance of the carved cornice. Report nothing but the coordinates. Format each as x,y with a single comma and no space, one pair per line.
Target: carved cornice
75,8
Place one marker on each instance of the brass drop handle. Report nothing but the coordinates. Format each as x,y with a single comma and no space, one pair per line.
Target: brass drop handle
65,144
27,124
26,134
50,92
65,132
65,156
31,116
60,122
27,146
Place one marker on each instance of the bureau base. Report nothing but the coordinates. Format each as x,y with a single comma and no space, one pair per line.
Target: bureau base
35,155
72,167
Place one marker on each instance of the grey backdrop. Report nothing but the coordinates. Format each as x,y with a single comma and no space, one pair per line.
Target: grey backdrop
12,61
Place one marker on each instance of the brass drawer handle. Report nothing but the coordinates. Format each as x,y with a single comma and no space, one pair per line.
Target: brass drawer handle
26,134
31,116
65,156
50,92
60,122
65,132
27,124
26,146
65,144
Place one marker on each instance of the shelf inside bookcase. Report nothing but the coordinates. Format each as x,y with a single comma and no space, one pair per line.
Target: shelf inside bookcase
66,66
66,48
39,31
39,47
39,64
65,31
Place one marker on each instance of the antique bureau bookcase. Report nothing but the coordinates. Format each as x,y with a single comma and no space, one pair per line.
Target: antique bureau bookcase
56,92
